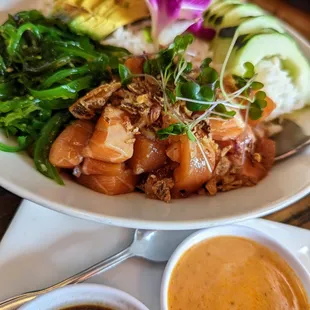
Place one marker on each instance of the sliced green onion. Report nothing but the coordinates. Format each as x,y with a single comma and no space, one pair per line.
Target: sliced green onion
42,146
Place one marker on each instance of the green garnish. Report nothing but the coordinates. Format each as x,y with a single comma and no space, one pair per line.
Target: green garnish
192,90
164,61
23,143
175,130
66,91
256,105
147,32
249,73
125,74
42,146
208,75
257,85
220,108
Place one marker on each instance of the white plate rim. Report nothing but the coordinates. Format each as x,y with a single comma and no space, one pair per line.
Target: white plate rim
147,224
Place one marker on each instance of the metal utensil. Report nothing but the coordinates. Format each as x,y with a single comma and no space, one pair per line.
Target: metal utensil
290,140
155,246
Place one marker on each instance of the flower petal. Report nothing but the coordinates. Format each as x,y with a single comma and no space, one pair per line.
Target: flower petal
192,9
202,32
163,14
168,34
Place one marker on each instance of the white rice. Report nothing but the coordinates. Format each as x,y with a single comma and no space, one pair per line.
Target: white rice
279,87
198,51
133,39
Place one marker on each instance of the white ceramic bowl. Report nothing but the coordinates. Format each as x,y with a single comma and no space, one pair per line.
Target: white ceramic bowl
85,294
287,182
231,230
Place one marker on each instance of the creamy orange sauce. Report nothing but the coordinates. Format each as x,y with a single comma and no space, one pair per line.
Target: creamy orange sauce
232,273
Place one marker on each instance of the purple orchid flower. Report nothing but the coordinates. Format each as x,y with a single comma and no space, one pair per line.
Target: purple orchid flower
164,13
202,32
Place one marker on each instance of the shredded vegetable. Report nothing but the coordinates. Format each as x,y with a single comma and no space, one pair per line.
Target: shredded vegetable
44,68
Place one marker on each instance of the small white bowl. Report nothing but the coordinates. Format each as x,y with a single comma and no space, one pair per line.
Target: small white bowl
85,294
231,230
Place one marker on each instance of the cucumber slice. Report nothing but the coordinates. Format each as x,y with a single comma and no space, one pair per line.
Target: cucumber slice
216,18
214,10
214,5
248,25
252,25
267,45
244,10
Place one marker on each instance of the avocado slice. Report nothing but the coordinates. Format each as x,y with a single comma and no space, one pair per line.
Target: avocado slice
90,5
98,18
88,25
266,45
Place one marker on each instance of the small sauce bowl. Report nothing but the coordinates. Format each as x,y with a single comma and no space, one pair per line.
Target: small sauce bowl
85,294
231,231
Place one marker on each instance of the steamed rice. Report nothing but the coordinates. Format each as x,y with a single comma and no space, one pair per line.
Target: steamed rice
133,39
279,87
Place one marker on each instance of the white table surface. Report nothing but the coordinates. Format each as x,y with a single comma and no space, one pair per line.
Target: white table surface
42,247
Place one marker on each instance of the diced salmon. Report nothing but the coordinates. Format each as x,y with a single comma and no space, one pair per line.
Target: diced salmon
93,166
135,64
193,170
66,151
253,171
148,155
113,139
227,144
223,130
110,185
257,168
173,152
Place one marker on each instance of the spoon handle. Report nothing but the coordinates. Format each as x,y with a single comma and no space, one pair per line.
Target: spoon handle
294,151
19,300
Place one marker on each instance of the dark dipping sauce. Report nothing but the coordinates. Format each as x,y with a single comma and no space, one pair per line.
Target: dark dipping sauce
87,307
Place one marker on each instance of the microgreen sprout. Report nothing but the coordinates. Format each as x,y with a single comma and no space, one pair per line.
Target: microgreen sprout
125,74
172,130
147,32
170,69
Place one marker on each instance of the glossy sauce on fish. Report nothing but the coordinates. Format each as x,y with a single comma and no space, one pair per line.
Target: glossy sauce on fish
193,170
148,155
122,183
112,140
66,151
